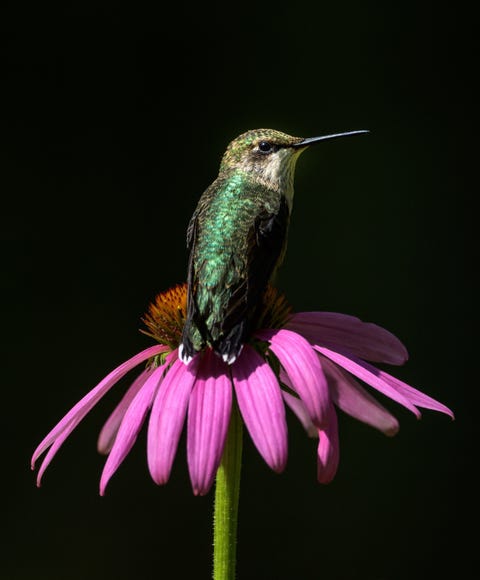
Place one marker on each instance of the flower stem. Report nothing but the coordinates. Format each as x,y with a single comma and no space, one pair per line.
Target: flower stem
227,491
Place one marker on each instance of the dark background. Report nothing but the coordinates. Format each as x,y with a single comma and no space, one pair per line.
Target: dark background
114,123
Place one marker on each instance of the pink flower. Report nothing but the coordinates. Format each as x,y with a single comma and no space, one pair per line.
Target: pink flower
309,363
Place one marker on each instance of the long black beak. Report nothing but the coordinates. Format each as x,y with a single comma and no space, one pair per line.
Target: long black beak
313,140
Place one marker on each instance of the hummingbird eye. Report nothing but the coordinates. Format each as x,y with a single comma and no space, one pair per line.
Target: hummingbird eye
265,147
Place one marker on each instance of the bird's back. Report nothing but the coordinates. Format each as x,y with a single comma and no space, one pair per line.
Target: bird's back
231,260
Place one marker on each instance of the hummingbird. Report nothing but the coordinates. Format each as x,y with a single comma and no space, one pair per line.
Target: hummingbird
237,238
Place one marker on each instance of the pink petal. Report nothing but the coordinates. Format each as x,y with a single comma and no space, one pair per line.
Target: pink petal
167,418
328,453
416,397
369,374
208,419
303,368
78,412
132,422
261,406
353,399
110,429
301,412
57,444
340,331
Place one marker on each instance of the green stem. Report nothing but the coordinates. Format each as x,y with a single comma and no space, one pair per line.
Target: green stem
227,491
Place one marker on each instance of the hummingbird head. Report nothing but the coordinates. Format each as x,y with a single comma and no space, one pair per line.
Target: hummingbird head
269,156
266,155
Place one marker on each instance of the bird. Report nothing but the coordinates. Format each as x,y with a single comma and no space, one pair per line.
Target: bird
237,239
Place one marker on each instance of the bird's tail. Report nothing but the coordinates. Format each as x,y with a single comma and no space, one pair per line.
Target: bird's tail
228,347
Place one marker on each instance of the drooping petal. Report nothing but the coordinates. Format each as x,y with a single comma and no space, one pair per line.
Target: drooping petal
110,429
208,418
78,412
261,406
328,453
301,413
363,339
353,399
369,374
303,368
414,396
168,416
131,424
57,444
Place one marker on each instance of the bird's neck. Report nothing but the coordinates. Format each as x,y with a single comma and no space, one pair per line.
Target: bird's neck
275,179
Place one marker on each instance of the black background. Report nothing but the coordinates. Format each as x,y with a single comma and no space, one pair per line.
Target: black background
114,123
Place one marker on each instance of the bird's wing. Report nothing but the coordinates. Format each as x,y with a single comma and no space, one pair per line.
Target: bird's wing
266,241
191,236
